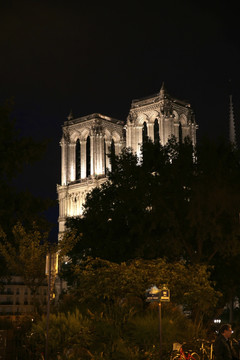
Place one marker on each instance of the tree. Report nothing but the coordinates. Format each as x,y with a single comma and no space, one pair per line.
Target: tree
69,336
26,256
16,152
177,202
98,281
123,324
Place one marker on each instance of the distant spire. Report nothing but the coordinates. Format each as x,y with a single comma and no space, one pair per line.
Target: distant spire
232,132
70,116
162,90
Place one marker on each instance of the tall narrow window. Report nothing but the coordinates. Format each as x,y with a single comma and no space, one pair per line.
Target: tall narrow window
112,154
144,132
88,149
124,133
180,133
78,160
156,132
105,156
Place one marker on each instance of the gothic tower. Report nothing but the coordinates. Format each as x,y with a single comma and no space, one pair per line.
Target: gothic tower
85,145
87,141
159,117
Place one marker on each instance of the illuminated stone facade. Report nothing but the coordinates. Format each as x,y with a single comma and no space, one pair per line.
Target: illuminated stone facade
87,141
85,145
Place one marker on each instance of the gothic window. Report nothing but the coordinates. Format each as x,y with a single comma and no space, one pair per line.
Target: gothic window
180,133
112,154
105,155
78,160
124,133
112,150
182,124
156,132
144,132
88,150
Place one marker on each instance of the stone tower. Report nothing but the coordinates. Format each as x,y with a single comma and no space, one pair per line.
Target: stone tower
85,145
87,141
160,116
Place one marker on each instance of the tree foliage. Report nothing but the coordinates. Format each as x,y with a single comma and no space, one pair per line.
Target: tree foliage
16,152
177,201
26,255
69,336
114,321
99,281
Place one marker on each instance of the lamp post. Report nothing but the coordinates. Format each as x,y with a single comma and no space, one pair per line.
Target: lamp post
160,295
51,271
160,328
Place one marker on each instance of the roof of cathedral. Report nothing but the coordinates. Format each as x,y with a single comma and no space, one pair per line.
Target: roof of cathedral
162,94
94,116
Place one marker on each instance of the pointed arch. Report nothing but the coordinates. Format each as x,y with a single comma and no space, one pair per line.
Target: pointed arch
144,132
156,132
88,157
180,133
112,154
104,156
78,160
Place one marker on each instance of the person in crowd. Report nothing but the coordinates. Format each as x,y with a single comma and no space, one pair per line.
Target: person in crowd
223,349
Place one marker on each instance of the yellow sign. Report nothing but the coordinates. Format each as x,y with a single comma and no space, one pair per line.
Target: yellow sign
164,295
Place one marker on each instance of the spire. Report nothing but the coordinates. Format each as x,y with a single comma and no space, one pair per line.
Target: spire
70,116
162,91
232,132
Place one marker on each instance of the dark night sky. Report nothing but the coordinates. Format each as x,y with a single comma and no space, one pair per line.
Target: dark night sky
61,55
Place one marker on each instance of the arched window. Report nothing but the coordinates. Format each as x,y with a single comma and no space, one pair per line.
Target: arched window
88,157
105,157
156,131
144,132
112,147
180,133
78,160
112,154
124,133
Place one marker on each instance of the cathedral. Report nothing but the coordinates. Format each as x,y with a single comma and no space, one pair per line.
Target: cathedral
87,141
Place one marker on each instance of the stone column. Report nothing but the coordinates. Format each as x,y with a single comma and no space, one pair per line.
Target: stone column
185,131
176,130
121,144
117,148
168,128
83,145
150,127
161,129
129,135
138,140
92,154
101,152
98,168
71,162
63,144
108,145
193,133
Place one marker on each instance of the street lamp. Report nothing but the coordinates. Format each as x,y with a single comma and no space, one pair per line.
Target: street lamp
51,271
160,295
